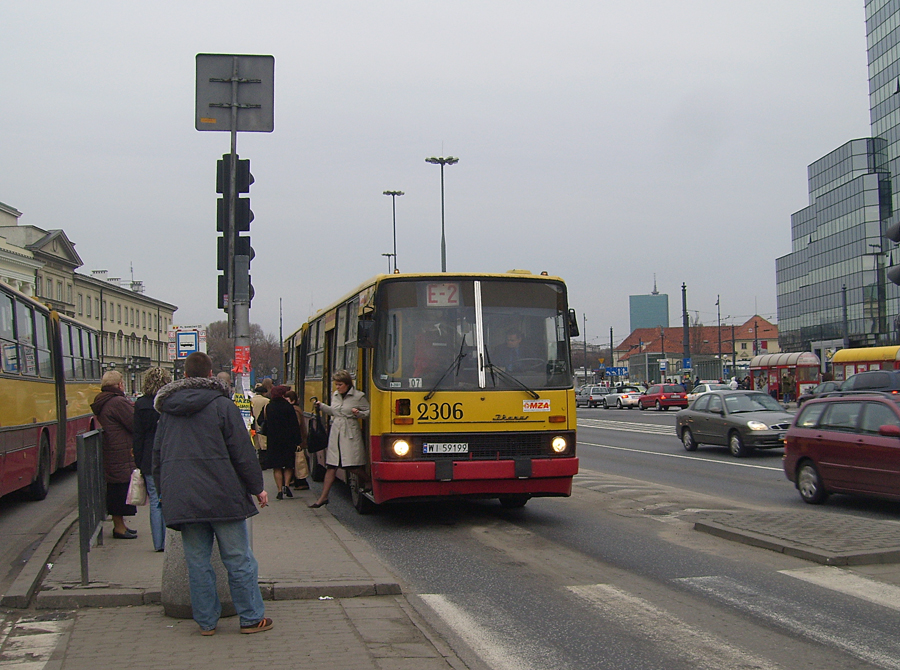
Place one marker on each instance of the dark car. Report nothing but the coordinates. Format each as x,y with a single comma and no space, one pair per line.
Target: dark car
664,396
873,380
741,420
821,389
848,443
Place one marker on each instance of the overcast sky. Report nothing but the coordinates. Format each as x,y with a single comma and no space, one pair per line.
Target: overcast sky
604,142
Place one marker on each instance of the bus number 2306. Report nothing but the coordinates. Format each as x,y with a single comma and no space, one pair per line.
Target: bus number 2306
433,411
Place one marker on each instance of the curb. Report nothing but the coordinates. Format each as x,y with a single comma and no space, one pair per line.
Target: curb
806,552
23,588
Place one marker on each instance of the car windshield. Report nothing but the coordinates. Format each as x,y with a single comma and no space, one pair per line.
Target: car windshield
751,402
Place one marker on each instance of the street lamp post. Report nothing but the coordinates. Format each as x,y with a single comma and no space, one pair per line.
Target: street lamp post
394,195
449,160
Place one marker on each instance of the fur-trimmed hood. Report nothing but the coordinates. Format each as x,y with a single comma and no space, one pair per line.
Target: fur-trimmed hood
188,395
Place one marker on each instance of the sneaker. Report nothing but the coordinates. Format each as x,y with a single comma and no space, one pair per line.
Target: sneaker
262,625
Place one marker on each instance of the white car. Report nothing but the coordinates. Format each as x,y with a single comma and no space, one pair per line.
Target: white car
590,396
623,396
700,389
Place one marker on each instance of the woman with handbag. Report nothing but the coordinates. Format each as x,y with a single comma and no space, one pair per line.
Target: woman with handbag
116,416
301,463
346,448
283,434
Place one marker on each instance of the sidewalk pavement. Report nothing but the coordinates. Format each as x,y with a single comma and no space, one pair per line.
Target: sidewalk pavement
333,604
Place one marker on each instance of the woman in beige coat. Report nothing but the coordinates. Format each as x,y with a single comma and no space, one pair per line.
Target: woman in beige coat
346,448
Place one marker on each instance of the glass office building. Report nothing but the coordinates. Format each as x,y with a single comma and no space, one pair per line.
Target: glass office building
836,271
648,311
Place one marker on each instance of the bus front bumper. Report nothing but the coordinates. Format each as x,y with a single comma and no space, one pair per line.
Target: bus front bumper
414,479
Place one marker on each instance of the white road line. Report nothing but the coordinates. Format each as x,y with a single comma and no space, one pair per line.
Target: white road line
675,637
650,429
30,642
838,579
690,458
835,631
499,654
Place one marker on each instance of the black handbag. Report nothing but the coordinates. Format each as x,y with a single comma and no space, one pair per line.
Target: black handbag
317,434
261,423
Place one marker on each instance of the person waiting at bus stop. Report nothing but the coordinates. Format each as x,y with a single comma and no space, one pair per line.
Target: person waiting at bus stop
116,416
346,448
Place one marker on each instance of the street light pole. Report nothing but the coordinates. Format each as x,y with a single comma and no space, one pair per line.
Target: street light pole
394,195
449,160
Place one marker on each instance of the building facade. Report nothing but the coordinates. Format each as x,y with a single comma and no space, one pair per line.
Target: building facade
133,327
832,287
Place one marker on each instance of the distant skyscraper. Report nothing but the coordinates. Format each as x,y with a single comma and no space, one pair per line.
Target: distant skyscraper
649,311
838,252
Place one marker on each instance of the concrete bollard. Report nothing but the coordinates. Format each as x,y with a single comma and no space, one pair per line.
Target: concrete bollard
175,593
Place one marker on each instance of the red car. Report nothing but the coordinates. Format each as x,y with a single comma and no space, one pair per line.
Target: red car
664,396
849,443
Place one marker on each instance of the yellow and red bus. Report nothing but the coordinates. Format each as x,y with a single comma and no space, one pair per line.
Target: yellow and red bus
49,374
454,411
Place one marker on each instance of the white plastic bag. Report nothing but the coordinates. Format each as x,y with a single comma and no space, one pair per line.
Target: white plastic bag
137,489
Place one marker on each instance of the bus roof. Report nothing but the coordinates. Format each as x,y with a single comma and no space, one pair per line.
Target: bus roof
891,353
377,279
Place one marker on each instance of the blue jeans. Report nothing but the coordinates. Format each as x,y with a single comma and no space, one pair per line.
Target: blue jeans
157,522
243,571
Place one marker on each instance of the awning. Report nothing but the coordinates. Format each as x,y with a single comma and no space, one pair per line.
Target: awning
864,354
792,360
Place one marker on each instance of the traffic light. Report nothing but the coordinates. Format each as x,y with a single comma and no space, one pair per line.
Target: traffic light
240,245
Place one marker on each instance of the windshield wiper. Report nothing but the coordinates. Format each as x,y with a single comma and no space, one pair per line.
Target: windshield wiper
455,363
503,373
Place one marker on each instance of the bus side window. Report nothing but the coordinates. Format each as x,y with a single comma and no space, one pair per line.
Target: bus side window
8,351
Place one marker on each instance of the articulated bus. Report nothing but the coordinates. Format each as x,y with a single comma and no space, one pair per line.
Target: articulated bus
469,378
49,374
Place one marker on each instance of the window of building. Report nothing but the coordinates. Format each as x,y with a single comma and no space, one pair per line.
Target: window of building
119,314
69,293
48,291
97,306
744,346
89,306
81,304
59,291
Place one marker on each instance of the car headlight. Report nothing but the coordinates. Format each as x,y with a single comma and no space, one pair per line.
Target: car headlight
400,448
757,425
559,444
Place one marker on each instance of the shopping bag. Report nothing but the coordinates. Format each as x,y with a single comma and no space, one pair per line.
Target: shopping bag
137,489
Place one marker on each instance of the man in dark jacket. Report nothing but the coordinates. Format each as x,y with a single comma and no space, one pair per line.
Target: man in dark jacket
207,470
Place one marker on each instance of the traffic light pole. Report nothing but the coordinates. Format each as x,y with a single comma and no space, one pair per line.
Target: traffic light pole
238,301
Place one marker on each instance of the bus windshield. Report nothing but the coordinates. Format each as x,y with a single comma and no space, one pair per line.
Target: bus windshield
459,334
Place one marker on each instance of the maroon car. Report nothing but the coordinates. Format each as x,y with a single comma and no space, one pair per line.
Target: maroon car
664,396
848,443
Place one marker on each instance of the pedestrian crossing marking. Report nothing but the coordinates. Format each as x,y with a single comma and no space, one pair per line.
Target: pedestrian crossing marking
627,426
839,579
700,649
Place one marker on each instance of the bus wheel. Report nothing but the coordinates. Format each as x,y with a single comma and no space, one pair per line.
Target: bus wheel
515,501
362,503
41,484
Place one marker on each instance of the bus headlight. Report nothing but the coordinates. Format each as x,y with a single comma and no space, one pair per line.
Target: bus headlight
400,448
559,444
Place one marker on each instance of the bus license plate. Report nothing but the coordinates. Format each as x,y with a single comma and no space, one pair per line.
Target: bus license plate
445,448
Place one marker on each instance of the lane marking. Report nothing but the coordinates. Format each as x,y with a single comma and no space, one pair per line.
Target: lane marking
681,456
838,579
495,652
702,650
862,642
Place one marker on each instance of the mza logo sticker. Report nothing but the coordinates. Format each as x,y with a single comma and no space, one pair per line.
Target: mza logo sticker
535,405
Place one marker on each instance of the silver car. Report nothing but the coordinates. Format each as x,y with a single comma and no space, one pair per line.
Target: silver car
700,389
623,396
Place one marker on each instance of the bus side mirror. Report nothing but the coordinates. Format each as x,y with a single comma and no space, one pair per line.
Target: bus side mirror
365,334
573,324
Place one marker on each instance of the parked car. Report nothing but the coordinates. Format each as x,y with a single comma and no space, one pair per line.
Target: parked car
702,388
848,443
590,396
664,396
623,396
873,380
741,420
821,389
